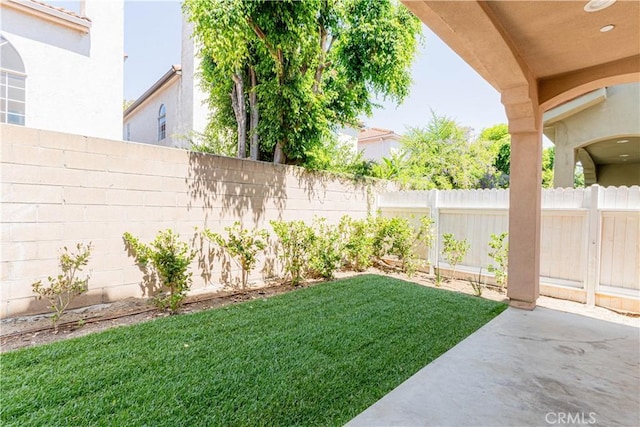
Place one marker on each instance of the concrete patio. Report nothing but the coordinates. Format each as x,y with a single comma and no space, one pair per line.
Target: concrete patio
524,368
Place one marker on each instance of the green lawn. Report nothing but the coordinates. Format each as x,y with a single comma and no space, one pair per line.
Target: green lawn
315,356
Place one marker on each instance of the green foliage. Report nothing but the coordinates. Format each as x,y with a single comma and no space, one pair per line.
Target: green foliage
438,279
426,233
243,245
396,237
578,176
66,286
310,66
295,241
336,156
454,250
500,254
358,242
476,284
170,259
220,143
497,141
389,168
548,157
315,357
441,156
327,248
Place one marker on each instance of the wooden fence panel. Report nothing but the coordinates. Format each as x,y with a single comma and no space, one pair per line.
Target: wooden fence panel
607,219
475,225
562,239
620,253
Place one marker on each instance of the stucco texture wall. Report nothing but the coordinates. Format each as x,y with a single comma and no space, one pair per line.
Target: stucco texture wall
143,121
60,189
379,149
74,81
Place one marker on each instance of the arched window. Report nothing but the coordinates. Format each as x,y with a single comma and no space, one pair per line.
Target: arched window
12,85
162,123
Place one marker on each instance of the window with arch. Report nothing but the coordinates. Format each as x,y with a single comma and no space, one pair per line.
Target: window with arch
12,85
162,123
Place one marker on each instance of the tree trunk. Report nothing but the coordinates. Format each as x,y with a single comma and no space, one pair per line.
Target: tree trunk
255,116
278,154
239,109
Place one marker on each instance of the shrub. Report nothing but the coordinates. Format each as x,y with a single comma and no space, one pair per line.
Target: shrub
170,259
476,284
327,245
500,255
454,250
357,235
243,245
66,286
295,239
425,234
395,236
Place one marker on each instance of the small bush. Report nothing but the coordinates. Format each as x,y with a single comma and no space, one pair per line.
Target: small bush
66,286
425,234
476,284
327,245
500,255
295,240
170,259
395,236
454,250
243,245
357,236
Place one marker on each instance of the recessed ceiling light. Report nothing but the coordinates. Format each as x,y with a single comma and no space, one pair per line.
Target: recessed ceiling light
623,141
624,155
597,5
607,28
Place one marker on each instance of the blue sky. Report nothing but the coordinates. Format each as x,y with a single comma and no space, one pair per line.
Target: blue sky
442,81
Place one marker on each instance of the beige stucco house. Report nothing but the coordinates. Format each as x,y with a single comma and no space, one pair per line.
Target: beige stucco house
62,70
601,130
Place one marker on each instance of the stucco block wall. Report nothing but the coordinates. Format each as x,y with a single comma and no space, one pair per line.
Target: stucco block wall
60,189
74,81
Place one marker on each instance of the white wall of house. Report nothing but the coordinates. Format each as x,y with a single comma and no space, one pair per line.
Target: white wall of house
141,125
74,80
376,150
187,110
195,110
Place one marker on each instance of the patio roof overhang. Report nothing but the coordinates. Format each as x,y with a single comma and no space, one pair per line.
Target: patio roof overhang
538,55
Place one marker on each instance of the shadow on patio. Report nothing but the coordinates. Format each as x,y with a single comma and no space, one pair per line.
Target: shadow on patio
524,368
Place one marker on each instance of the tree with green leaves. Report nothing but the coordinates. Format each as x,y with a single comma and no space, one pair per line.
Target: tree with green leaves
440,155
497,141
548,159
284,74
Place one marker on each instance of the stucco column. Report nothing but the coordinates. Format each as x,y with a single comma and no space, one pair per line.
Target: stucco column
564,162
524,218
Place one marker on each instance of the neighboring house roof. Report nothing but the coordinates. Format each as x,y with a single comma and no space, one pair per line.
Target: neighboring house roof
376,134
176,70
51,13
59,9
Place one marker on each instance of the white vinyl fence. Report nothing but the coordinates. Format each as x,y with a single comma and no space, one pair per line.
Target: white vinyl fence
590,237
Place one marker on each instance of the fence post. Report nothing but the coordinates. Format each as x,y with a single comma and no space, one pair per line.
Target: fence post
435,214
593,250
